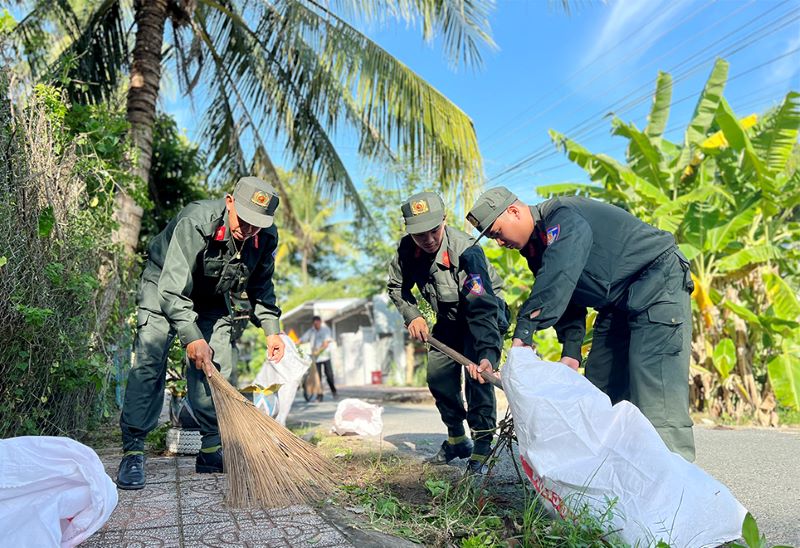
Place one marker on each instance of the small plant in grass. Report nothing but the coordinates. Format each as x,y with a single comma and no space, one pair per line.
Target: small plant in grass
582,527
752,536
436,486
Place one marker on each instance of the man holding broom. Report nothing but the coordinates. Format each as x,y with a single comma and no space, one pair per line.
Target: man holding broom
212,248
585,253
464,292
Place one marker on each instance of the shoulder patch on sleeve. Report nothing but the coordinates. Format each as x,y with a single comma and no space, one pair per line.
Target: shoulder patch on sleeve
552,234
474,284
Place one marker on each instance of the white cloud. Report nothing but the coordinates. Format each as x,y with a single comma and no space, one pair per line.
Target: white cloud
645,19
789,66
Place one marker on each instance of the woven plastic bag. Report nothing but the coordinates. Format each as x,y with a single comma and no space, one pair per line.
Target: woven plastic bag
580,452
287,372
53,492
354,416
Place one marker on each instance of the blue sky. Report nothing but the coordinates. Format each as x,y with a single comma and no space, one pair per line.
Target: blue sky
566,71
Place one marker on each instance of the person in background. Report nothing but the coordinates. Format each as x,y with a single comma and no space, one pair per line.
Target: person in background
319,335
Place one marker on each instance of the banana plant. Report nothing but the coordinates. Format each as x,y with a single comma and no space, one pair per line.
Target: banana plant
730,193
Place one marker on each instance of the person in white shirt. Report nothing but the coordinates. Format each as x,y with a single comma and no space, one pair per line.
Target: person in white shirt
320,337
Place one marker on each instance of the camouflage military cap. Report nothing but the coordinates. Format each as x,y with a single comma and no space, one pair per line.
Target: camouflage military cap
255,201
423,212
488,207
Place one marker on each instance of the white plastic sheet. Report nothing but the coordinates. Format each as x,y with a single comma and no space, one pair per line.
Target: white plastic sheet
354,416
579,450
53,492
287,373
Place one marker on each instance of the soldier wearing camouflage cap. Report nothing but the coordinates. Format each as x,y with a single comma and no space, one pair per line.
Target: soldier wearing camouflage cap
465,294
211,250
585,253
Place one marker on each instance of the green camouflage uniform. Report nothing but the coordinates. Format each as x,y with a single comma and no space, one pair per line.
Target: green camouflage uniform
464,292
585,253
193,266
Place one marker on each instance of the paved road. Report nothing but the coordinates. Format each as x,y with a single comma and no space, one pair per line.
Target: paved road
761,467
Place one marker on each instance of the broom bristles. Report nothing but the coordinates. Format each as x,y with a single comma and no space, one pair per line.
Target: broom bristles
267,465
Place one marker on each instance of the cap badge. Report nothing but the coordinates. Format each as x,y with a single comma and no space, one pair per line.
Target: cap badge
260,198
419,207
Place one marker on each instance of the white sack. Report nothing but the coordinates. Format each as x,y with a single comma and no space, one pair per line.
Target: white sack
579,449
354,416
53,492
287,372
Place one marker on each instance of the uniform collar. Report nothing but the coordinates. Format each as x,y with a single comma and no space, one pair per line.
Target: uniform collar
220,231
538,239
223,233
447,257
226,222
536,214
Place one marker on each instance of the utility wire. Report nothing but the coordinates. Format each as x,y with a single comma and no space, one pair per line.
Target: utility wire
591,122
633,54
563,98
738,106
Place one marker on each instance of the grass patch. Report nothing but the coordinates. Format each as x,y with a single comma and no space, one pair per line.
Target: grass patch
437,506
307,431
157,439
789,417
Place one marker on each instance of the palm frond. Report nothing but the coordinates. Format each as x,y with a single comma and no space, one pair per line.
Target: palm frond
419,122
34,31
300,105
100,53
295,76
463,25
92,51
262,166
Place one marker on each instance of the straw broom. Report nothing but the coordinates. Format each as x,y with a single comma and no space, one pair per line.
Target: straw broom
266,464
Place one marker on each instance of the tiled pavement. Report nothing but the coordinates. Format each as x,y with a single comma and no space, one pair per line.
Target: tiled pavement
179,508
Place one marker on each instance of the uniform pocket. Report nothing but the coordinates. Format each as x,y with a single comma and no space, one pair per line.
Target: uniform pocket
446,288
447,294
647,288
666,335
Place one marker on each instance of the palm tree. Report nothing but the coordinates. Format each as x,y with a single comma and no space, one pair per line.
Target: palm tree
313,229
288,71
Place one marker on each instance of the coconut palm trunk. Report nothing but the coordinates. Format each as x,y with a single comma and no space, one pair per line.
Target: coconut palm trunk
151,16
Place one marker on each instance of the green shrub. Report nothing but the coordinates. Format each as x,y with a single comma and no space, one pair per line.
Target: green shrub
61,168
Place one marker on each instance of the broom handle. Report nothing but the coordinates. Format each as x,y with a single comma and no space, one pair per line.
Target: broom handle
463,360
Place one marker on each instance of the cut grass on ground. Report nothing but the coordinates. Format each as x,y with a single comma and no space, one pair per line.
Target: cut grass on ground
436,506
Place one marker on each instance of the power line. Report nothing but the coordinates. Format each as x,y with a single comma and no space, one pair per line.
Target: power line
581,70
737,106
590,123
591,120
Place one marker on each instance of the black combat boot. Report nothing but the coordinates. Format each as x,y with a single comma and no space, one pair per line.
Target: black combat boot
131,472
209,463
477,468
448,452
